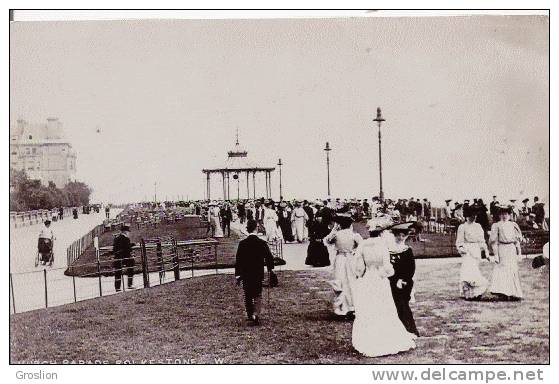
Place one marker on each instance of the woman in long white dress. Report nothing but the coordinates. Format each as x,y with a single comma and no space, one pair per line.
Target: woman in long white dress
299,217
377,330
214,219
505,240
470,241
270,223
345,241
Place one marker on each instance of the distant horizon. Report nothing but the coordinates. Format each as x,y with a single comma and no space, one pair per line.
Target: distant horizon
466,103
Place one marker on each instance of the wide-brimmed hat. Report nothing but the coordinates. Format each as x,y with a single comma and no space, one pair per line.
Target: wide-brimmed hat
47,222
343,218
378,225
402,227
469,211
125,228
526,200
505,209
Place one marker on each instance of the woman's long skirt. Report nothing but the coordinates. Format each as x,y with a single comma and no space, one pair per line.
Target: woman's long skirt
343,278
317,254
506,280
472,282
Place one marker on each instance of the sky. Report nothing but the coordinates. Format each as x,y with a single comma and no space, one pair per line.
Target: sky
466,103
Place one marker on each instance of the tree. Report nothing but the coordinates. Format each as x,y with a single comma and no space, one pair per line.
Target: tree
27,194
78,193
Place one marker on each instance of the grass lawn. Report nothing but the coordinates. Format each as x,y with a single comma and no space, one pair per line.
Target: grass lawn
203,318
86,265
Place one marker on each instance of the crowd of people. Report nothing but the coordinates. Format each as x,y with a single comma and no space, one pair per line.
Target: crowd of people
304,220
373,278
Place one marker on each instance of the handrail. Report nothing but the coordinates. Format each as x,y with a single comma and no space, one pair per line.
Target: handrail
179,243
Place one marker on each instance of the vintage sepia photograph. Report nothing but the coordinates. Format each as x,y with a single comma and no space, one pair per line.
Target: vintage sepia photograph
328,189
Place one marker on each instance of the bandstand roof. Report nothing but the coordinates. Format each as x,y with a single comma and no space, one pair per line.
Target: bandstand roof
238,161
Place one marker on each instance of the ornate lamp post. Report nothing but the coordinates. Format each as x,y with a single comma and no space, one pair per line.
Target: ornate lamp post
379,121
279,165
328,149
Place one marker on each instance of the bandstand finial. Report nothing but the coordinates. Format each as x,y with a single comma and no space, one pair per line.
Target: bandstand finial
237,136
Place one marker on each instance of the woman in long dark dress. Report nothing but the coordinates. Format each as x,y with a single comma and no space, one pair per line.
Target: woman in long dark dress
284,220
317,252
401,283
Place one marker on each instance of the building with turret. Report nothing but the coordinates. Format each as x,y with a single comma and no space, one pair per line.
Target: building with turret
42,152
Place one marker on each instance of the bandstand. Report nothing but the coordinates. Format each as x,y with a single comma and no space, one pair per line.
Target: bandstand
237,167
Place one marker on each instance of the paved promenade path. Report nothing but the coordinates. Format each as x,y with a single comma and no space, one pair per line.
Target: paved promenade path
28,280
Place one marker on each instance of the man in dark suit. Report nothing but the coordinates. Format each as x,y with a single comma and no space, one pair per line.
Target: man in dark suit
253,254
241,211
482,218
366,208
122,250
494,210
539,210
310,213
259,216
426,209
326,213
525,210
226,217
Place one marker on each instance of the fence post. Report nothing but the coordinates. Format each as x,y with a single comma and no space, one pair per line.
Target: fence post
176,266
99,273
215,253
144,264
46,292
74,286
12,288
160,261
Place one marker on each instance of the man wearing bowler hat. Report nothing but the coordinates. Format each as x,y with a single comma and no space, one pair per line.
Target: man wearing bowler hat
253,254
122,250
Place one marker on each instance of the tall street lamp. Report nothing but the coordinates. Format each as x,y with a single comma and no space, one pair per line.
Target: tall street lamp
279,165
379,121
328,149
